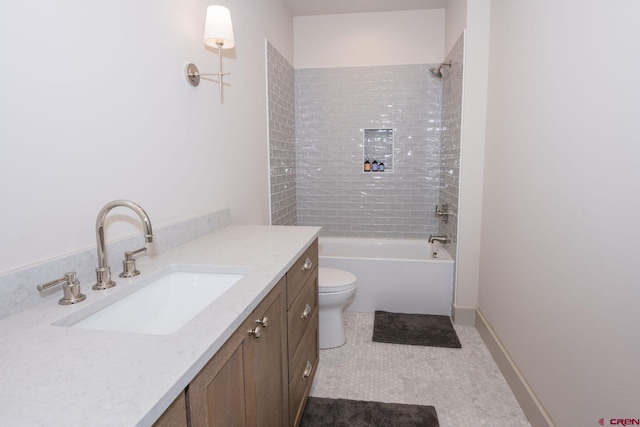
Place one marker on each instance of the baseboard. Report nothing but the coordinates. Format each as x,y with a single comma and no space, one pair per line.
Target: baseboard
465,316
527,399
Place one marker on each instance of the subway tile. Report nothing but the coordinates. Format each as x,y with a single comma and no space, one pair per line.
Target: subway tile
328,111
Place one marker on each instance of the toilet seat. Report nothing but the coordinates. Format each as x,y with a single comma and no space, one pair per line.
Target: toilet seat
334,280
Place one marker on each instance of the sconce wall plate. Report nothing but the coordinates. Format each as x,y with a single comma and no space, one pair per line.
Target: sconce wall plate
193,74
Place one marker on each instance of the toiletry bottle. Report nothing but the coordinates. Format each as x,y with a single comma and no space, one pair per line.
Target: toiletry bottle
381,167
374,166
367,166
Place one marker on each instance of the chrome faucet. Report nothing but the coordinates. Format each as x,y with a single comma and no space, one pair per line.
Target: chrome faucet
70,287
443,212
442,239
103,272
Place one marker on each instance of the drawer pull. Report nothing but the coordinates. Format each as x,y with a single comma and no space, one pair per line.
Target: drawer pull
264,322
307,265
307,371
306,312
255,332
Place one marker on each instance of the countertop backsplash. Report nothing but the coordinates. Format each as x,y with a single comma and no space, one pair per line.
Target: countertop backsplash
18,287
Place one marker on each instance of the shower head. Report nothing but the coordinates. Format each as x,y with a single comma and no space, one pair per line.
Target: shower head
437,71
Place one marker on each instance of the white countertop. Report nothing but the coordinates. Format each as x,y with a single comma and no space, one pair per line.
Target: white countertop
61,376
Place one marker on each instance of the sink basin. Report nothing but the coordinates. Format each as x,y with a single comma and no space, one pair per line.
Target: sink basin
163,306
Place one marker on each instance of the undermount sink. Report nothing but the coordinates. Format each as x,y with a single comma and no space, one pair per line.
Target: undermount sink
164,305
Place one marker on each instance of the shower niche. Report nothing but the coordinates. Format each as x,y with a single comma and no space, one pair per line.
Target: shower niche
378,147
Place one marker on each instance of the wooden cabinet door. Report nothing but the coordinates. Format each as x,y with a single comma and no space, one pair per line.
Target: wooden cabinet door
265,365
244,384
217,395
175,415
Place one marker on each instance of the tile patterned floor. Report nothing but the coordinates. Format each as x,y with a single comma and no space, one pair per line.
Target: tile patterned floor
464,385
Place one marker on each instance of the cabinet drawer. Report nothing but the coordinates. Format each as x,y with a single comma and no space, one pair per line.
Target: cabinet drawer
300,273
301,314
300,382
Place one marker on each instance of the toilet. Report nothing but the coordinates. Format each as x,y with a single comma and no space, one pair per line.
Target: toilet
336,288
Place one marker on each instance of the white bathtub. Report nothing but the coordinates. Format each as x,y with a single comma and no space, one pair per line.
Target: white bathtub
393,275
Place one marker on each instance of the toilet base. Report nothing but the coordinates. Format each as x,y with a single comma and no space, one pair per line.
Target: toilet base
331,326
331,330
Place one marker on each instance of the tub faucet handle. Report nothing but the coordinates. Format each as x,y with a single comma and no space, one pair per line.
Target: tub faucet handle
443,212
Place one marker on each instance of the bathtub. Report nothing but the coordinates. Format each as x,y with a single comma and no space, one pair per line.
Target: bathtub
395,275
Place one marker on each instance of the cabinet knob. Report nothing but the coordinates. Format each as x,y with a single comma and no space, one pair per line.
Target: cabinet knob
307,265
306,312
264,322
307,371
255,332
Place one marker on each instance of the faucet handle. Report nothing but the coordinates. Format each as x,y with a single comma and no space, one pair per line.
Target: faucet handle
70,288
443,212
129,263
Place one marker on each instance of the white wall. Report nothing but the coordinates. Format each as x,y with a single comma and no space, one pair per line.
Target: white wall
361,39
473,18
455,23
560,241
95,107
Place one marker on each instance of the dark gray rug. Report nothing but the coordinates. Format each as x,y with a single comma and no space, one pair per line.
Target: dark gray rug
415,329
356,413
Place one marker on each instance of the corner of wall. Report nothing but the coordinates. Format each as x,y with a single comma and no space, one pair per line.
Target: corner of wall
455,23
532,407
464,316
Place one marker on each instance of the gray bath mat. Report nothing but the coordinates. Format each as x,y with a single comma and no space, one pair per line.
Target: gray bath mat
414,329
356,413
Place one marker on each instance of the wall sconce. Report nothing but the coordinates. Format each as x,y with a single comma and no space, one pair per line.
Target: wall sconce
218,32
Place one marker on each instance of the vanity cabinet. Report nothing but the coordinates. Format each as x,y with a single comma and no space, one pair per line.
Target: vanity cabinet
244,383
262,375
302,330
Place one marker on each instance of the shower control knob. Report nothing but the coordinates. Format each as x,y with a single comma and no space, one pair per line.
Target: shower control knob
255,332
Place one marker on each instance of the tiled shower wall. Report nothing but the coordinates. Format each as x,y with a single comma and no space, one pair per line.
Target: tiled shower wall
333,106
450,149
282,148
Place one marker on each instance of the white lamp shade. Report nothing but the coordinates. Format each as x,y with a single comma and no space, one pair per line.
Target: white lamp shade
218,28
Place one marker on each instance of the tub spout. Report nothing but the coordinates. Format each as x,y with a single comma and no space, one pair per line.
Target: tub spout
442,239
103,272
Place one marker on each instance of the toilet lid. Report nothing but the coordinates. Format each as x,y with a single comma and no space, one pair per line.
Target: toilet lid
334,280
